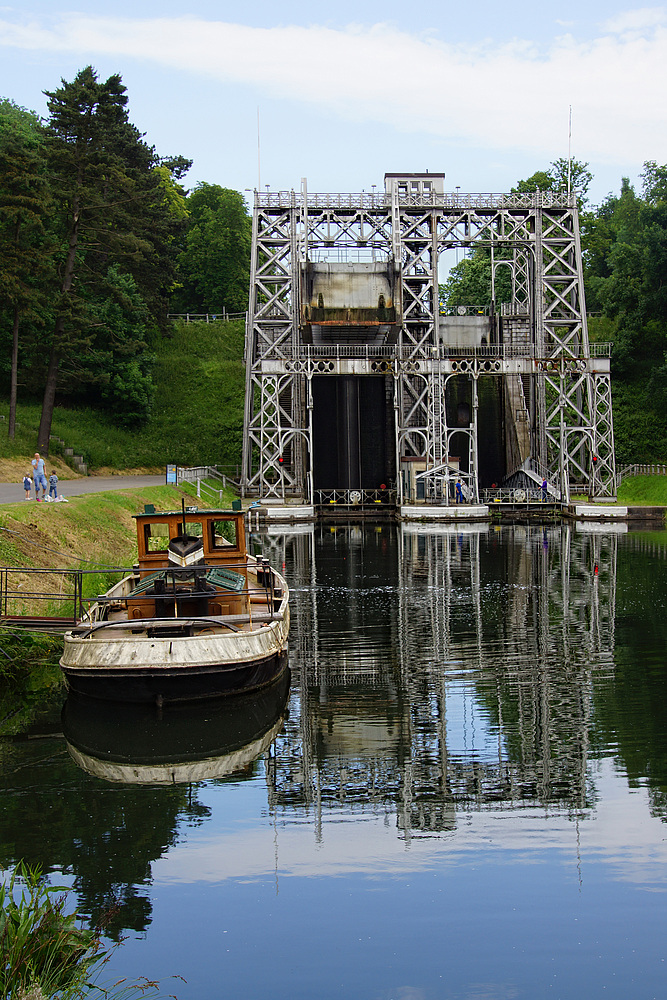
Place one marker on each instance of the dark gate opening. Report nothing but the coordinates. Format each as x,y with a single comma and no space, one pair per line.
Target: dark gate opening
352,433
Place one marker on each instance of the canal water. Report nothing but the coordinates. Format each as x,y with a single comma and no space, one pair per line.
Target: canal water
462,795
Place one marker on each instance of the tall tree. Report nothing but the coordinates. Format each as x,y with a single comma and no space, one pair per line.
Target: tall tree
24,257
561,173
214,266
113,208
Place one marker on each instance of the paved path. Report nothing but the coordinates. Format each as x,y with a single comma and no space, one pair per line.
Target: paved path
13,492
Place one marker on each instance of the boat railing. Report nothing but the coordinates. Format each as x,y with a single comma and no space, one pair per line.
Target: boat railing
261,594
42,600
54,600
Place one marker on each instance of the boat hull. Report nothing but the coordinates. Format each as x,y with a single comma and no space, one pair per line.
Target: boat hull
190,682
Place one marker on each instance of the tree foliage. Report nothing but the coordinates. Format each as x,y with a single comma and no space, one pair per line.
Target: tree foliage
214,266
25,257
118,213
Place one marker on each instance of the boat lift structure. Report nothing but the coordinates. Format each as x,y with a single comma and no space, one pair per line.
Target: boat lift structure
353,374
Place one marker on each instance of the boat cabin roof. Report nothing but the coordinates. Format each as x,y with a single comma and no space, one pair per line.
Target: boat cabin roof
222,533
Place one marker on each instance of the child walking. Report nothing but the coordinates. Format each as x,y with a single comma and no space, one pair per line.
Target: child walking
53,486
27,486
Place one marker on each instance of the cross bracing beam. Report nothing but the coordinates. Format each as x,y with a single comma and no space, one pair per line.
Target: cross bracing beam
537,235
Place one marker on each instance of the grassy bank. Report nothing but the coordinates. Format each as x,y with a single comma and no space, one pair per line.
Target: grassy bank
197,415
644,491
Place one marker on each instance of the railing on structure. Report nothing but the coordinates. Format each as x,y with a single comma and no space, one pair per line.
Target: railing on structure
534,470
354,498
220,317
449,200
446,310
405,353
650,469
513,309
25,603
373,253
440,486
197,475
516,495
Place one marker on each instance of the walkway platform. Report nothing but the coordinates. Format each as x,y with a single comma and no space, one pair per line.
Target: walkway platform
596,512
455,512
283,514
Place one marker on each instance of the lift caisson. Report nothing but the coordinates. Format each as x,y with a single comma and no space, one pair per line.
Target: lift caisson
361,389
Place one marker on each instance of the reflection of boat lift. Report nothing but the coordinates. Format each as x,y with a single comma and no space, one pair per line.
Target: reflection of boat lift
444,474
558,608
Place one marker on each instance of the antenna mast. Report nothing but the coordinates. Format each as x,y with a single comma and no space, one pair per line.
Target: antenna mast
569,154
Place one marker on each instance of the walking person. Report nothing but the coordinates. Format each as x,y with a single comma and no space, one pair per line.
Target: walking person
27,486
544,490
459,492
39,476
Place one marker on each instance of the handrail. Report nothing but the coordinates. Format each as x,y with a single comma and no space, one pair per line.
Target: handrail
218,317
447,351
447,200
641,469
354,497
15,598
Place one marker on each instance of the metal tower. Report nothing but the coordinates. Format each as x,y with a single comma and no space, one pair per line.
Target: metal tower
557,412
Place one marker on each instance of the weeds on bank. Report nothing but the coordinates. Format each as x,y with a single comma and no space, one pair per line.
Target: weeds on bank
45,953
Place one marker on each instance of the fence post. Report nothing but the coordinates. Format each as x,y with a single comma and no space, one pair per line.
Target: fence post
198,487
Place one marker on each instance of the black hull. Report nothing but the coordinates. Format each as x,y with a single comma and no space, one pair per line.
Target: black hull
144,685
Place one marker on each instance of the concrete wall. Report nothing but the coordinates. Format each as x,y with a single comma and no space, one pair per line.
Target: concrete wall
464,331
347,286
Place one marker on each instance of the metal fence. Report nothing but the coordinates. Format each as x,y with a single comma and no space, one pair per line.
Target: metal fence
445,351
198,476
354,498
516,495
650,469
219,317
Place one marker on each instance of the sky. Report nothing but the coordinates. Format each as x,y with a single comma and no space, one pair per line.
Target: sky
341,94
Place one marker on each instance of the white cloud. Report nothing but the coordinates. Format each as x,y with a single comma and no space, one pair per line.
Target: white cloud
636,20
510,96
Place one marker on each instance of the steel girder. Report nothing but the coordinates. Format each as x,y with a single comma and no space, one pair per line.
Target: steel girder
538,233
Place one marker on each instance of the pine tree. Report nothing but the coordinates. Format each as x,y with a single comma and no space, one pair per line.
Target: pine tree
24,252
113,209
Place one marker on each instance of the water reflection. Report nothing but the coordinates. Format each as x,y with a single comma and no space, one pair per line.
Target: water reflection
439,675
443,669
138,744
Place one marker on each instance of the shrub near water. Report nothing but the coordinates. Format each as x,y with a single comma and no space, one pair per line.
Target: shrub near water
45,953
43,950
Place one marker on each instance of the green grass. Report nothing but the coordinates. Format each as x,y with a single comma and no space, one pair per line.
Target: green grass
644,490
197,416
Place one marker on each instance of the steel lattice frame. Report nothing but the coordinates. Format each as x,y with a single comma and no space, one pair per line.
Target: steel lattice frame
538,233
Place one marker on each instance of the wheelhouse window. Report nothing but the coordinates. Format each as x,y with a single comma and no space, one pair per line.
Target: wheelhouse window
223,534
156,536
